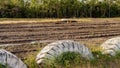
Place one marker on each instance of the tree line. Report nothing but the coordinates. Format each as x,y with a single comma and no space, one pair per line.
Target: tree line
59,8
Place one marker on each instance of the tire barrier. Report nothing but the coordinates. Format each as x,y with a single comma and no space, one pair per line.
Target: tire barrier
111,46
56,48
9,60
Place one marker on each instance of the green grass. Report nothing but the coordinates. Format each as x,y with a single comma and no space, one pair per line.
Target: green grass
3,66
74,60
68,58
30,61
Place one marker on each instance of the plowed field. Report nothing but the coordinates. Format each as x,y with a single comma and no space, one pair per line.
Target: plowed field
25,33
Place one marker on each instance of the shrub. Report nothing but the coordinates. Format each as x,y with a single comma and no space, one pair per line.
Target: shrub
59,8
67,59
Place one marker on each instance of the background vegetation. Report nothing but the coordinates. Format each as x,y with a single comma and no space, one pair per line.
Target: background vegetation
59,8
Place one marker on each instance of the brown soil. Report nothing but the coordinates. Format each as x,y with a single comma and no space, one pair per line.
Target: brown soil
89,33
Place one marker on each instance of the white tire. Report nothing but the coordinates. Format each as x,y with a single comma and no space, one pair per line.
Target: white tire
10,60
111,46
56,48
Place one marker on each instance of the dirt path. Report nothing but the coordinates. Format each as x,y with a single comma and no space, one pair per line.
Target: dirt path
25,33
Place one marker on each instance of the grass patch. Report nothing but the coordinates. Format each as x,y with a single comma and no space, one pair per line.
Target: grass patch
47,20
26,20
34,20
3,66
31,63
74,60
67,59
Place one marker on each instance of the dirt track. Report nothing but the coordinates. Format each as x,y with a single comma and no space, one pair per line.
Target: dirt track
25,33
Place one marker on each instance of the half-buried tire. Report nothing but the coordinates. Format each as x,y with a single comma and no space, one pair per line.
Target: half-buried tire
9,60
54,49
111,46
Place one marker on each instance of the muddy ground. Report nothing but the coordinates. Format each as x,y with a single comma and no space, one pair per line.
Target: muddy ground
25,34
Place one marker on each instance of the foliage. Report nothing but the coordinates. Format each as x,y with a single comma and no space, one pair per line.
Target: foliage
30,61
67,59
3,66
59,8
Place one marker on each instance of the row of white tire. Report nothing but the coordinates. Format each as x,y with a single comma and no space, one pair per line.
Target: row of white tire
111,47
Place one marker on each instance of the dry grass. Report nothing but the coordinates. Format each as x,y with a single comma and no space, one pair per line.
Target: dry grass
41,20
25,20
36,20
